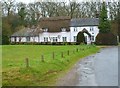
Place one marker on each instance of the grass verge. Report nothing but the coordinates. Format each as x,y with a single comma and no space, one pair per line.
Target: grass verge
15,72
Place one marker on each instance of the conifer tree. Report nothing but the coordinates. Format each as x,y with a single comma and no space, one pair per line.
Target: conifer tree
104,24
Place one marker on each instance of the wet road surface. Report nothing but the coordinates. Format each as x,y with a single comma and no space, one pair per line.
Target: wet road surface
106,67
100,69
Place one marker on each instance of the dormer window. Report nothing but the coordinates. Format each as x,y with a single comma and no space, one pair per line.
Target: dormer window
63,29
45,29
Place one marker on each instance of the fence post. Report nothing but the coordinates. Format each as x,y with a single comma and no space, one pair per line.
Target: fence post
62,54
27,62
53,55
68,52
77,49
42,58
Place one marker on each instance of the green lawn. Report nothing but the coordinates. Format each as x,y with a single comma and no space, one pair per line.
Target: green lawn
15,72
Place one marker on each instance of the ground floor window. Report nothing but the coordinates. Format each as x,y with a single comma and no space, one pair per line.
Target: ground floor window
64,39
75,38
92,38
55,39
45,39
27,39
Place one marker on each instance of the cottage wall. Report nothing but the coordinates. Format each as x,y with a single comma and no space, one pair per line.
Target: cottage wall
24,39
50,36
59,35
70,35
93,32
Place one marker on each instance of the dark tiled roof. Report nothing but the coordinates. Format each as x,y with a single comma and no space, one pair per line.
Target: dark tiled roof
27,32
84,22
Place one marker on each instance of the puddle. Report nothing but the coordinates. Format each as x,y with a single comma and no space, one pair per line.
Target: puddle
86,71
81,74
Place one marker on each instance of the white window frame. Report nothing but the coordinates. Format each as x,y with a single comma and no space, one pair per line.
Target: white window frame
74,38
92,38
64,39
55,39
45,39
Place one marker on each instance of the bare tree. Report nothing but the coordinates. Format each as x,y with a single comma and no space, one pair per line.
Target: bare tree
112,7
7,6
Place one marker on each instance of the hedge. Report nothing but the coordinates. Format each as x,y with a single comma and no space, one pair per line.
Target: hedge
106,39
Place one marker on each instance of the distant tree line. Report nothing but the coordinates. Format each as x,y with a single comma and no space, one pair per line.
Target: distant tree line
17,15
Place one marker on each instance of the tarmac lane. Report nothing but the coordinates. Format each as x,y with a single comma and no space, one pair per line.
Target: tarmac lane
100,69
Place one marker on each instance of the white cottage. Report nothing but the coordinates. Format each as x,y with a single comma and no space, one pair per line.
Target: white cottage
59,29
88,24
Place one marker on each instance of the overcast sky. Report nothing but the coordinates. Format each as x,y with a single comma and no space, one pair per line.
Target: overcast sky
28,1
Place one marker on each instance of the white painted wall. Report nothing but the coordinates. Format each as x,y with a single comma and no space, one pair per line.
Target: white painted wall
23,39
94,32
70,35
55,34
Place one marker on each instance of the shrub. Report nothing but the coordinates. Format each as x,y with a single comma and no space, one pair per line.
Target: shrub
106,39
80,38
